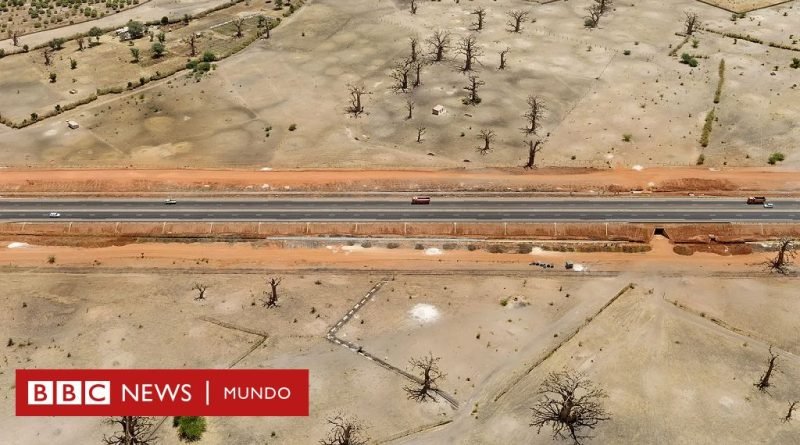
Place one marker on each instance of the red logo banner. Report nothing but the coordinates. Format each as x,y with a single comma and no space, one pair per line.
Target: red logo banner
162,392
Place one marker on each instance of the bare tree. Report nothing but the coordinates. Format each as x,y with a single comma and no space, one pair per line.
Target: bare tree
47,53
134,431
503,54
413,6
593,16
691,22
487,136
472,88
763,383
239,24
193,45
534,114
516,17
345,431
568,404
783,259
420,132
604,5
271,299
413,41
792,406
14,37
480,14
81,43
418,72
428,368
439,43
469,48
201,291
400,74
410,105
356,92
534,147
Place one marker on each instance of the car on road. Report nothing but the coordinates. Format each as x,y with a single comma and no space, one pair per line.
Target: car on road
55,215
170,201
768,205
421,200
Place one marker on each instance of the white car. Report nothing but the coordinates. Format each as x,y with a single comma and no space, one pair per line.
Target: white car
55,215
768,205
170,202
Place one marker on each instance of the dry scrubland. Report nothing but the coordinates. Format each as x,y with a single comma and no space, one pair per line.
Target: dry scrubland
672,374
594,92
24,17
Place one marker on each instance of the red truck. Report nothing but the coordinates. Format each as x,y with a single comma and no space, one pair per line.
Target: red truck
756,200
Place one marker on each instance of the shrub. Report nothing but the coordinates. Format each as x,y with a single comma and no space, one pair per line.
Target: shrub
795,63
701,159
190,428
393,245
51,259
627,137
158,49
472,247
524,248
53,77
497,248
707,127
688,59
504,302
627,52
73,63
165,20
208,56
366,244
293,127
776,157
718,93
419,247
449,246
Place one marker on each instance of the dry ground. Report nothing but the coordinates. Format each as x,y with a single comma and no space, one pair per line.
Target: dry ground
673,376
596,94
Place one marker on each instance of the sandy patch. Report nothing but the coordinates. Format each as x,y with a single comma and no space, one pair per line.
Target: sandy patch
424,313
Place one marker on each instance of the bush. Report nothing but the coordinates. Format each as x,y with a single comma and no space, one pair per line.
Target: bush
472,247
504,302
208,56
688,59
795,63
165,20
293,127
707,127
627,137
524,248
51,259
701,159
449,246
53,77
627,52
393,245
497,248
419,247
190,428
158,49
366,244
776,157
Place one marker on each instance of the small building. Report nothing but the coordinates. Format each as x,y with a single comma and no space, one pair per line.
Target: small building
439,110
73,125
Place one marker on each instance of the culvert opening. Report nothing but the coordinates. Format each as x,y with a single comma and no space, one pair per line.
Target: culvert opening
660,232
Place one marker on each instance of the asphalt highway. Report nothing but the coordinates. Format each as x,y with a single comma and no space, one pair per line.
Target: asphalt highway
397,209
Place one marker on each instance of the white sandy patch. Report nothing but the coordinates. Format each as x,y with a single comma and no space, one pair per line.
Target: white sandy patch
424,313
433,251
540,251
638,167
264,186
266,169
578,267
18,245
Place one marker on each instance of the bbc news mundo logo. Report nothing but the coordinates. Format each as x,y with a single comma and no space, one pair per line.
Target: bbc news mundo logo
162,392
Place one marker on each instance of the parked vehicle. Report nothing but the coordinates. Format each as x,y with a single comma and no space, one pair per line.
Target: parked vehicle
756,200
55,215
421,200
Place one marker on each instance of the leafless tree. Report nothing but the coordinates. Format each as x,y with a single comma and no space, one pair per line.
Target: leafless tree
239,24
480,14
81,43
534,114
420,132
410,105
792,406
763,383
356,92
345,431
487,136
783,259
418,72
47,53
271,299
569,404
593,16
439,43
201,291
691,22
469,48
14,37
503,54
413,41
516,17
604,5
472,88
267,25
400,74
430,374
413,6
193,45
133,431
534,147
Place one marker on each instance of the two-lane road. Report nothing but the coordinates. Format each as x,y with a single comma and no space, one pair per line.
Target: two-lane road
398,209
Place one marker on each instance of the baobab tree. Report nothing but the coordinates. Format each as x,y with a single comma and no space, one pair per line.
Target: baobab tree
534,114
691,22
345,431
783,259
592,18
356,92
133,431
468,47
201,291
271,299
439,43
534,147
413,6
238,23
516,17
480,14
400,74
503,54
420,132
788,415
487,136
569,404
413,41
410,105
430,374
763,383
472,88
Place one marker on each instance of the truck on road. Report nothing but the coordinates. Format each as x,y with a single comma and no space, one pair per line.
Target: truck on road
756,200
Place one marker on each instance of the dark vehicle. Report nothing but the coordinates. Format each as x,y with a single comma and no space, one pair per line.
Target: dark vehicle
421,200
756,200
